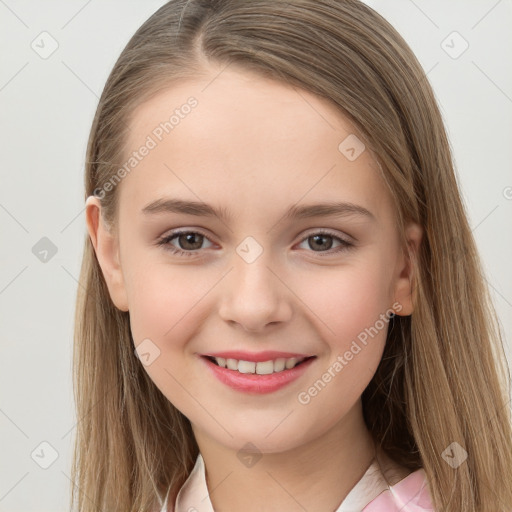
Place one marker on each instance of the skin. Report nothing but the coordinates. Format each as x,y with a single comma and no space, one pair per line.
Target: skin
256,147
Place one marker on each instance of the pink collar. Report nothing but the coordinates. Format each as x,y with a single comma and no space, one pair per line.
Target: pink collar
370,494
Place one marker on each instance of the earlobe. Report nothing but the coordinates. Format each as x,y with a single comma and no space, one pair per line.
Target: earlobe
405,289
106,247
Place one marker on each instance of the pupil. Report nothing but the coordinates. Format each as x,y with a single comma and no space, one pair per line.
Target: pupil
187,238
316,237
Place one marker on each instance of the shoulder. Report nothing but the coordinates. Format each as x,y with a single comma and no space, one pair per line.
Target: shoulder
406,490
410,493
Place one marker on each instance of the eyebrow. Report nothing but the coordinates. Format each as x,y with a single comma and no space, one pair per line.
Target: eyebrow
200,209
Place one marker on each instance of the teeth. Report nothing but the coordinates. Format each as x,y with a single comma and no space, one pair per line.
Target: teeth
290,363
232,364
262,368
246,367
279,365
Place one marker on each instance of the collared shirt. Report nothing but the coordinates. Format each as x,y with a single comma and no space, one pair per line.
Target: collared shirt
370,494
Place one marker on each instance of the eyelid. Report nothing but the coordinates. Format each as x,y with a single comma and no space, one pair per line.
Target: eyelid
346,244
326,231
173,234
310,232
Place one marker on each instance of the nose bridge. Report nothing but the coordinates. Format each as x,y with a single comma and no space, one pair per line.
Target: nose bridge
253,295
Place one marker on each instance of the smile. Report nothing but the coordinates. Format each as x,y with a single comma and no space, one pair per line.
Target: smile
261,368
257,377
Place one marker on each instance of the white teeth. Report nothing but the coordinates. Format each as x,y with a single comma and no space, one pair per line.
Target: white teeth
290,363
279,364
261,368
246,367
232,364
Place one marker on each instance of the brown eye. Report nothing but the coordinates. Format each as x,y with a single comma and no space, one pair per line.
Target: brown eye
322,242
189,242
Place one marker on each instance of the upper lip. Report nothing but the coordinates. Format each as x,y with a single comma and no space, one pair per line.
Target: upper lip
256,357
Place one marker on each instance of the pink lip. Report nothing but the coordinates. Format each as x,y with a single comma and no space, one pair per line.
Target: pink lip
256,357
253,383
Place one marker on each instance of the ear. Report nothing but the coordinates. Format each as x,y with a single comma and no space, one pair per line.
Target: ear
405,292
106,246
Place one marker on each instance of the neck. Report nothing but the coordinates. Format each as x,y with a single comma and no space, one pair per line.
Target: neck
316,475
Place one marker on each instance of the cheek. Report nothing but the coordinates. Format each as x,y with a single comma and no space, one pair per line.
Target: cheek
165,309
164,300
353,316
351,311
346,301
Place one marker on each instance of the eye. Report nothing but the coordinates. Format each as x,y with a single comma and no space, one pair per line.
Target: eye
190,242
317,241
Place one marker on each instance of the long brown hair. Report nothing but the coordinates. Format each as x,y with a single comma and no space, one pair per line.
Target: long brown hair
443,377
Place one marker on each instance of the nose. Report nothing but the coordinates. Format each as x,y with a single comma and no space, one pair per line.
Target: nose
254,295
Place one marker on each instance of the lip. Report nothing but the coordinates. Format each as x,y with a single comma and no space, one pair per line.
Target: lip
256,357
253,383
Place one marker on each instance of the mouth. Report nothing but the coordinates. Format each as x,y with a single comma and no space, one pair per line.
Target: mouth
268,372
271,366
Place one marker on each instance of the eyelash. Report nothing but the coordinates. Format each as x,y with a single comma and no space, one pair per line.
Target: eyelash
165,241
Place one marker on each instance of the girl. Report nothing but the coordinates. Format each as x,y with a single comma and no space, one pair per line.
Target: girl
282,304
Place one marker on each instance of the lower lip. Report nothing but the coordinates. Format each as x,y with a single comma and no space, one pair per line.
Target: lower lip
253,383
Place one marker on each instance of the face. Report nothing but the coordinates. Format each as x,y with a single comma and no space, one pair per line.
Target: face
253,278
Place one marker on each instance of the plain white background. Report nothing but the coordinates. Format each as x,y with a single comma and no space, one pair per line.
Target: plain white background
47,108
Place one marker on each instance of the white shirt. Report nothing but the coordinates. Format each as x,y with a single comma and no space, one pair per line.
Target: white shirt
410,494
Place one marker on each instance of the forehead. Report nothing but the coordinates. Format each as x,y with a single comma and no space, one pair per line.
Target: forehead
244,138
249,107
